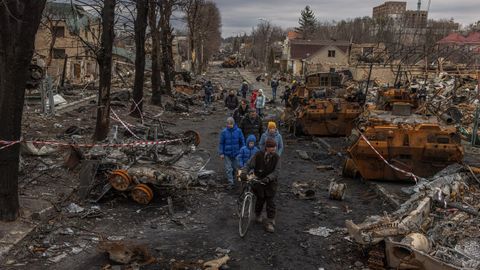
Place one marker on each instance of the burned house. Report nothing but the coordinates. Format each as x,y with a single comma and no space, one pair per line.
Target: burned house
61,42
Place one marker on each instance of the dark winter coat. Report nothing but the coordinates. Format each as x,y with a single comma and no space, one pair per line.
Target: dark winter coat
252,126
246,152
208,88
240,113
231,140
231,102
266,170
244,88
274,84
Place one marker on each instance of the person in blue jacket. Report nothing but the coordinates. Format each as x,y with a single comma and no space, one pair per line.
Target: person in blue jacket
248,151
231,141
272,133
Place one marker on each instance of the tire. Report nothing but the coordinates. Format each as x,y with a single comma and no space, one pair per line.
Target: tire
245,215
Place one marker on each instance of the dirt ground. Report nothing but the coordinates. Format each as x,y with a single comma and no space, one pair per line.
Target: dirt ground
204,224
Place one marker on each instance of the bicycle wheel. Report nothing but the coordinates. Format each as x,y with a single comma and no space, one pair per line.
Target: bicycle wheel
245,214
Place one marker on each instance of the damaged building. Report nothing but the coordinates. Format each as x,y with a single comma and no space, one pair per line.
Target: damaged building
62,43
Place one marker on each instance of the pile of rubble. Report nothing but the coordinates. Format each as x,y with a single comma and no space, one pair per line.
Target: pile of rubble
437,228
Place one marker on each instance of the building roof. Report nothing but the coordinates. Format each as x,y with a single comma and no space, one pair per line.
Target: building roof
301,49
473,37
75,16
129,56
456,38
292,35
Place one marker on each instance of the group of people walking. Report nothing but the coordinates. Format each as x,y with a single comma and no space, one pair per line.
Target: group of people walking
247,146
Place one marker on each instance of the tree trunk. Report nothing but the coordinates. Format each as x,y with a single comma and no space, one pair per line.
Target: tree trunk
156,77
104,59
140,29
167,37
19,21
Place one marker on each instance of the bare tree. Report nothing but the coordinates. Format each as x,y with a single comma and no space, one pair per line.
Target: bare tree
208,34
104,59
192,13
155,34
19,21
166,36
140,29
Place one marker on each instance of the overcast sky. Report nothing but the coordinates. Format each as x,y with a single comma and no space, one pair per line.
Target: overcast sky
241,15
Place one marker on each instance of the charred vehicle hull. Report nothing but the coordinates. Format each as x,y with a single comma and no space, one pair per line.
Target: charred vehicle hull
322,107
415,144
329,117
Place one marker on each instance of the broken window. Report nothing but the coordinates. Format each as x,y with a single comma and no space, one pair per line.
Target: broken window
58,53
58,31
324,81
368,51
331,53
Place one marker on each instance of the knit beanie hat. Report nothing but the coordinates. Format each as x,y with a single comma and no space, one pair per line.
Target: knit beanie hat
272,125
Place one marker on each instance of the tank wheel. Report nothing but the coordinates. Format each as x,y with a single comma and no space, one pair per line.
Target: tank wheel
349,169
142,194
120,180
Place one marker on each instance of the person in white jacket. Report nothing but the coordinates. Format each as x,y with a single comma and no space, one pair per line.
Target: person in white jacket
260,103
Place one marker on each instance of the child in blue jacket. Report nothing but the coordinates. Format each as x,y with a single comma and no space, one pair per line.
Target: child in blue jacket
248,151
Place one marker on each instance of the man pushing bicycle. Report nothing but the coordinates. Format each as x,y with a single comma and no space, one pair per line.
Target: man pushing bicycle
265,166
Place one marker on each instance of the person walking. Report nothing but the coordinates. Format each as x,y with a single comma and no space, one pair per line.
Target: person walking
240,112
274,84
252,124
208,90
265,165
231,141
248,151
253,99
272,133
286,95
244,89
260,102
231,101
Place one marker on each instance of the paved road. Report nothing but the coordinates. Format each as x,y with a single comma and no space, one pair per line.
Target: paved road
205,223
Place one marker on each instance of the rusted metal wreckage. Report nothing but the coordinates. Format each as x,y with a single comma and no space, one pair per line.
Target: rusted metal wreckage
436,229
394,143
142,171
323,106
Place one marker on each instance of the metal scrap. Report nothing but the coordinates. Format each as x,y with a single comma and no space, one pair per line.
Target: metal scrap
437,228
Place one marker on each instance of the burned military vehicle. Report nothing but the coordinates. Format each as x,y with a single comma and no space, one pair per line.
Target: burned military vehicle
323,106
399,145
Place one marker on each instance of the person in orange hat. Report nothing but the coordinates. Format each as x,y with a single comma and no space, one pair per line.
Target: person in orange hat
272,133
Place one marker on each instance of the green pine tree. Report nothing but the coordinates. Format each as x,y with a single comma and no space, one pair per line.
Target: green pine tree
307,22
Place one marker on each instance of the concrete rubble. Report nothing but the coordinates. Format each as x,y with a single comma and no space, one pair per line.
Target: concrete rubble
437,228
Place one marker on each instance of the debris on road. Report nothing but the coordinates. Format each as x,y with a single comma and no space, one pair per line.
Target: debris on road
216,264
337,191
434,229
321,231
126,253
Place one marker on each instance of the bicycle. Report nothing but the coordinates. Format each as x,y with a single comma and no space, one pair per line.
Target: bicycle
245,204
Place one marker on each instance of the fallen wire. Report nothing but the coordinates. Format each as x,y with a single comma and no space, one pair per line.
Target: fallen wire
415,177
124,125
84,145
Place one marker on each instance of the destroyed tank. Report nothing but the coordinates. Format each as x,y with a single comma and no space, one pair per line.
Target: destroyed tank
231,62
322,107
410,142
387,97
